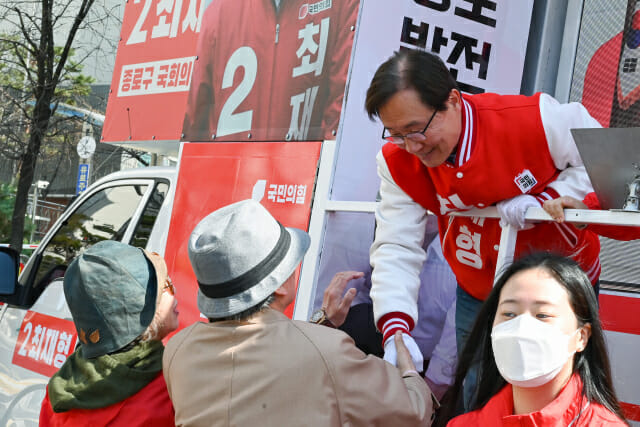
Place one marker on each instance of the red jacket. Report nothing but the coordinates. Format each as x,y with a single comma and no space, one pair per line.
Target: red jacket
562,411
497,154
150,406
617,232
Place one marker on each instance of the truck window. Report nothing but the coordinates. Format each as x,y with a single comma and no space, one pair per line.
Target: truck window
103,216
145,225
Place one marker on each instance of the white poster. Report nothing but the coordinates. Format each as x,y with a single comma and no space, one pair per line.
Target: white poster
483,42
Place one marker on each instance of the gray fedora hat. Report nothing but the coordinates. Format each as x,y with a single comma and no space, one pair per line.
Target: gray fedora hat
241,255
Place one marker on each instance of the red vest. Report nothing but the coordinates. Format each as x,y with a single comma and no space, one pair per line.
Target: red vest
510,157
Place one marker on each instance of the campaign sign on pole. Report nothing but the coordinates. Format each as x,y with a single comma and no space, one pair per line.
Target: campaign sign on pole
83,178
153,70
278,175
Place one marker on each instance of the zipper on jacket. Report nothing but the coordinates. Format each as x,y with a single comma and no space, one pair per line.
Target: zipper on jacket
277,32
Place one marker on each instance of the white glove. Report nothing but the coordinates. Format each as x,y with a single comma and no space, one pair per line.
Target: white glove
512,211
391,354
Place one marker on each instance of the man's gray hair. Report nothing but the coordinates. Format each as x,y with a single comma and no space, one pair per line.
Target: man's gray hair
248,312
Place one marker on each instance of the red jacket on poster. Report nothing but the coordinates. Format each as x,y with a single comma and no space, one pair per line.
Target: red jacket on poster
150,406
569,408
271,74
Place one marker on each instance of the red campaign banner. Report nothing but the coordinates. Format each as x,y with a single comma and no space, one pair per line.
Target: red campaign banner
279,175
267,73
153,70
256,72
44,343
611,90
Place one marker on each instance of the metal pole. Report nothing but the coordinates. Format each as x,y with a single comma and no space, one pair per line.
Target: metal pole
33,210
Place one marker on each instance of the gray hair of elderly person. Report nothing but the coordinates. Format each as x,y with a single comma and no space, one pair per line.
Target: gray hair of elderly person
245,314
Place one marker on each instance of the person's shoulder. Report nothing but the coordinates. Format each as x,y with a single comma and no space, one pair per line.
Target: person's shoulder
176,341
324,338
494,101
313,330
600,416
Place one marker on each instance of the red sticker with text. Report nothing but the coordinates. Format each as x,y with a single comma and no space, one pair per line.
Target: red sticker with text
44,343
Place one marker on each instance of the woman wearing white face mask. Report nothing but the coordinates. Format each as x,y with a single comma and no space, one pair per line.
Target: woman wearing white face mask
540,351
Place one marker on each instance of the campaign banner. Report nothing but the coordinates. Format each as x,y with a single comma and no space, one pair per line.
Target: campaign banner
279,175
270,73
44,343
153,70
606,75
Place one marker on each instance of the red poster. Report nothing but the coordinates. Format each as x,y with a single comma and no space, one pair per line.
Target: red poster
44,343
259,72
611,90
153,70
270,73
279,175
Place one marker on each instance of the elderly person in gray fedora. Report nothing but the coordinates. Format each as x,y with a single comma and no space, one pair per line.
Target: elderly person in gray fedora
251,365
122,303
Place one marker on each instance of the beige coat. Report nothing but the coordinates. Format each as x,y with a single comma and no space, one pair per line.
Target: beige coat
272,371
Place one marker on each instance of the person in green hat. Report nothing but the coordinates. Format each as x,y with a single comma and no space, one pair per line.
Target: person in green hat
123,304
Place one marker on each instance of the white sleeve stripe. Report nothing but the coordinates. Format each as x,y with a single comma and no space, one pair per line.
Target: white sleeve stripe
594,268
470,131
465,149
392,322
545,196
567,234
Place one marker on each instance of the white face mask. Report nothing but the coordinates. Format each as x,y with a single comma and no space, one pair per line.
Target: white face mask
529,352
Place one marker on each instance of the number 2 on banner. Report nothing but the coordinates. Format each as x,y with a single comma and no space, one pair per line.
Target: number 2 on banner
27,328
138,35
229,121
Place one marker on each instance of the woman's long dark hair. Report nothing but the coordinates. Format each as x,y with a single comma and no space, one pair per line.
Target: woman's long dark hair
592,364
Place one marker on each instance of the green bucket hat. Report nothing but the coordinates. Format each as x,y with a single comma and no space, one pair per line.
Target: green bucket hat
111,290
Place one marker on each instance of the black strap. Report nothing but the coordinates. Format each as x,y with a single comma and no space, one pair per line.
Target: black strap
253,276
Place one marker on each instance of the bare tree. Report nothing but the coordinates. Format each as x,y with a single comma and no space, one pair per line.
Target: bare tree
28,46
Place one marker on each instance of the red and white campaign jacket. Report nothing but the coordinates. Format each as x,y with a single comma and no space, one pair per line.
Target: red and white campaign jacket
509,145
276,74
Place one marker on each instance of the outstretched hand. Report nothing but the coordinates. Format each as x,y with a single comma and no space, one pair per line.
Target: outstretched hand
336,305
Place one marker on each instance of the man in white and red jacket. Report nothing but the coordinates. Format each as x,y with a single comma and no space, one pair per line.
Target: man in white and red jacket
270,70
449,152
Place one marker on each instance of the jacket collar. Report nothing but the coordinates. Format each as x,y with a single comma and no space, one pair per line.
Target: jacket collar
562,411
467,134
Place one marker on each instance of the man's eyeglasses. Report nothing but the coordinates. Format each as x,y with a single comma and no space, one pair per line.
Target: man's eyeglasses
414,136
168,287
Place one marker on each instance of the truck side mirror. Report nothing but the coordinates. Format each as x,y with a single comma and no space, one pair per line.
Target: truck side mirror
9,268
